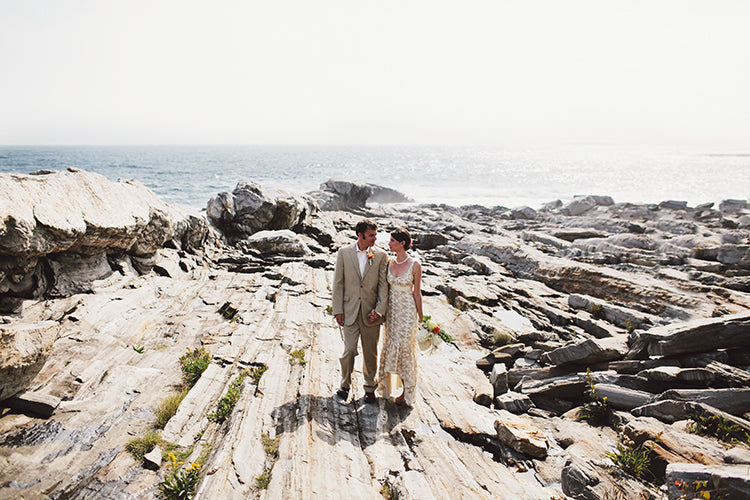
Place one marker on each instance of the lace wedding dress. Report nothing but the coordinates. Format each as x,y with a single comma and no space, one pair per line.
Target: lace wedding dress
399,354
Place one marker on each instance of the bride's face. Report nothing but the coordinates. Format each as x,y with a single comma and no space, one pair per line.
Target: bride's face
395,245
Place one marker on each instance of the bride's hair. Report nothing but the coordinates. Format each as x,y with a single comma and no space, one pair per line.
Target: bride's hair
402,235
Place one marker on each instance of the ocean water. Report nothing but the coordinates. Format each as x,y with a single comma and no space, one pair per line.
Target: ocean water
191,175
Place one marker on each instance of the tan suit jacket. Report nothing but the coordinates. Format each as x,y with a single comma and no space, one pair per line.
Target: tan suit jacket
353,293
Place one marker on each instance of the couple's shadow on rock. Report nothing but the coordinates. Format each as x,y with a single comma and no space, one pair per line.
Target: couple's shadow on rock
355,420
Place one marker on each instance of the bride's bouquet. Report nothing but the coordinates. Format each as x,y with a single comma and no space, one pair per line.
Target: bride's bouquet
432,333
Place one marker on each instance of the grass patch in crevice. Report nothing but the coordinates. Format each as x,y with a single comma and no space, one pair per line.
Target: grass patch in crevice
263,480
178,451
180,481
635,460
271,447
297,357
168,408
193,364
226,404
386,492
718,427
256,372
597,311
141,446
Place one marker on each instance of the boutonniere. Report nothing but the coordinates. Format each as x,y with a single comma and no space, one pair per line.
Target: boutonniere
370,256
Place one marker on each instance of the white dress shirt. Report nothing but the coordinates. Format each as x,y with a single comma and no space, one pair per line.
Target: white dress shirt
362,258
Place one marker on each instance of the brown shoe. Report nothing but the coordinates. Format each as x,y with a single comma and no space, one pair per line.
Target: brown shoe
343,393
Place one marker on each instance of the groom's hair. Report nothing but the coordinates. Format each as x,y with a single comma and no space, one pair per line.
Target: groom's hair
364,225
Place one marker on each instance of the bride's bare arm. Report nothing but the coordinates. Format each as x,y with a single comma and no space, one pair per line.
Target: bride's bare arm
417,288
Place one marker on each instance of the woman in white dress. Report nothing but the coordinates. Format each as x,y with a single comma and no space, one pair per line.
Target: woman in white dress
398,359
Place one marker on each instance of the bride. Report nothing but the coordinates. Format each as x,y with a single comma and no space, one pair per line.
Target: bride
398,359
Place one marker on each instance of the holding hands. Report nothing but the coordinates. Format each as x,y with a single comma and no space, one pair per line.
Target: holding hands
373,316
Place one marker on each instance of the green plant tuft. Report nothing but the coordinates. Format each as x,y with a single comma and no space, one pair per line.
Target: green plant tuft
718,427
168,408
228,400
386,492
501,338
270,446
635,460
596,411
139,348
179,483
139,447
193,364
262,481
256,372
169,449
297,356
597,311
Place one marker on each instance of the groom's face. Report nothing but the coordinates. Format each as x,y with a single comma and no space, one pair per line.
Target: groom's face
367,239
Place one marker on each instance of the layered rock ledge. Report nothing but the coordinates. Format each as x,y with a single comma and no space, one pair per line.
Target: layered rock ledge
62,231
646,305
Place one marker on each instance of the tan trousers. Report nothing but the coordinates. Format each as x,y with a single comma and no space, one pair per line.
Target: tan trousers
369,336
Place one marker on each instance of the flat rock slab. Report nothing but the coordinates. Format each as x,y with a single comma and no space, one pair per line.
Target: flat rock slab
522,437
513,402
445,446
719,481
80,211
676,445
695,337
672,411
633,366
737,455
499,379
622,398
38,405
25,348
589,351
734,401
566,387
728,375
698,376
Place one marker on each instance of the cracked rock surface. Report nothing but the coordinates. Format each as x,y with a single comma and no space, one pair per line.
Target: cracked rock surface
541,305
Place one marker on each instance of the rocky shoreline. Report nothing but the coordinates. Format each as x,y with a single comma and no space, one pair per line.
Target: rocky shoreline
551,310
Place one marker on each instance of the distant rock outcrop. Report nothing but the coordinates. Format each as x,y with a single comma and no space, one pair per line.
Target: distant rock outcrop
251,208
339,194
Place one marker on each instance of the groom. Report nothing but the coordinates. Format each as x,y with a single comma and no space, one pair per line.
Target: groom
360,298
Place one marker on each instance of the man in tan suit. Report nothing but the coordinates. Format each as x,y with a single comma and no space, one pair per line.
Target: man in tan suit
360,299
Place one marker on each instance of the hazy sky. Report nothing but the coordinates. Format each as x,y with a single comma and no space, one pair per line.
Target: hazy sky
674,73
